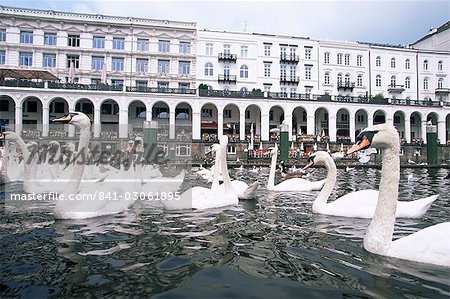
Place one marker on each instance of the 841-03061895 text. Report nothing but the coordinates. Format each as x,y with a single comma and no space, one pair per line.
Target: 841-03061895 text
97,195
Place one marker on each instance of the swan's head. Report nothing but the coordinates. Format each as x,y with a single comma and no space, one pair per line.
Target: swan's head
318,158
53,144
381,136
274,150
75,118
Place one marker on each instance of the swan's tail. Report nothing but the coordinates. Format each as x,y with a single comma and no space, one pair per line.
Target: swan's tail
415,208
250,192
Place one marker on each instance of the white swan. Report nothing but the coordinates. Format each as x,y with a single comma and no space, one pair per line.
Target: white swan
80,209
294,184
204,198
430,245
362,203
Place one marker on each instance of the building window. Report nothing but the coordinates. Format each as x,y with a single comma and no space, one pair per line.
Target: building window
73,40
359,60
49,60
49,39
425,65
2,35
26,37
308,72
378,61
117,64
142,65
141,85
227,113
393,81
118,43
283,71
244,51
266,69
359,81
267,87
440,83
293,92
292,51
293,71
339,79
347,59
2,57
440,66
184,86
209,49
339,58
360,118
164,46
407,64
326,58
26,59
244,71
392,63
308,53
98,42
75,59
347,80
97,62
185,47
378,81
163,85
142,44
226,70
184,68
283,93
407,83
209,70
207,112
117,82
163,66
226,49
327,78
425,83
308,91
267,50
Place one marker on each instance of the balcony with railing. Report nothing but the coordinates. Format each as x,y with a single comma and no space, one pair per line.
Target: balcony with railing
346,85
442,91
227,57
230,79
393,88
160,90
289,58
289,79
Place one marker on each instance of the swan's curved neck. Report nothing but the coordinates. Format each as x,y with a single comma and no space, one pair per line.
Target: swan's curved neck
80,163
271,181
379,234
223,163
324,194
217,164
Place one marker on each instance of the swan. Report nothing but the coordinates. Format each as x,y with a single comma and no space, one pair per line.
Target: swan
294,184
201,198
80,209
430,245
359,204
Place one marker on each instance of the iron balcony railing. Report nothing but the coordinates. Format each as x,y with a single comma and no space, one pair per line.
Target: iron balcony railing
76,86
21,83
345,85
289,58
160,90
290,79
395,88
227,78
227,57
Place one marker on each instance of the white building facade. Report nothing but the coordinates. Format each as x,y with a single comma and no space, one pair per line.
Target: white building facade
122,71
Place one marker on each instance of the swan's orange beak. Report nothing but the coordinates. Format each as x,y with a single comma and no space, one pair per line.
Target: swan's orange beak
65,119
362,144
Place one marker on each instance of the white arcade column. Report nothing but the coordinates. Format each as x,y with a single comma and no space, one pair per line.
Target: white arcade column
97,123
219,124
45,121
310,125
196,126
352,128
265,127
18,118
332,128
123,123
408,130
242,126
441,132
172,125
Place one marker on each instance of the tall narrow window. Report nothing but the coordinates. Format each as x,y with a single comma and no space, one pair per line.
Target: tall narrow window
440,66
425,65
209,70
2,35
378,81
226,71
244,51
440,83
378,61
2,57
339,58
209,49
244,71
339,79
393,81
308,52
407,64
347,59
308,72
326,58
226,49
266,69
425,83
392,63
267,50
407,83
327,78
359,81
359,60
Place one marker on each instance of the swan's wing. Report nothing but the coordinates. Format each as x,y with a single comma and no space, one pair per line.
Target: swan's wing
415,208
359,204
249,192
430,245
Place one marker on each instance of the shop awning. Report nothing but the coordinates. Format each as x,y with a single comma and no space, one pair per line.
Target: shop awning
26,74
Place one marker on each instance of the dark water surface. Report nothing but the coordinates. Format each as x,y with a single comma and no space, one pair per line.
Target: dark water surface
272,247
